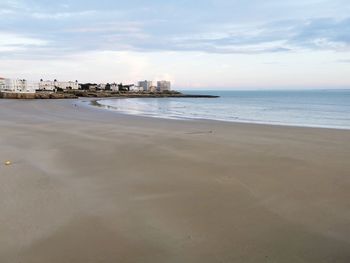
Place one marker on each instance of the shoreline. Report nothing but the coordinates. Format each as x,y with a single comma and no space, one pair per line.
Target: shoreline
89,185
94,103
75,94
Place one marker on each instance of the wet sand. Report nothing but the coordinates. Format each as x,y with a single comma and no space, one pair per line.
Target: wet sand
88,185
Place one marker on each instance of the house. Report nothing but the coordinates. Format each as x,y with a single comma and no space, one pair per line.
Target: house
122,87
136,89
109,86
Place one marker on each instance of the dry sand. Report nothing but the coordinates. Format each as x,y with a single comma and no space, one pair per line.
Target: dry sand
92,186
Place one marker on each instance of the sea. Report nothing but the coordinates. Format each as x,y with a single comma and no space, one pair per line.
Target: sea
306,108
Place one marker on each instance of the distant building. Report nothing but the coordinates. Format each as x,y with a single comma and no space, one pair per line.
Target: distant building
153,89
125,88
68,85
88,86
145,85
2,83
136,89
17,86
163,86
49,85
114,87
103,86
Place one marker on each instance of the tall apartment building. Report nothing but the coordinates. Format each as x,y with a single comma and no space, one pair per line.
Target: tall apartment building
145,85
163,85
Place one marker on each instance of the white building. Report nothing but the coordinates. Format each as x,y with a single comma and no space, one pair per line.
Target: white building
53,85
114,87
163,85
17,86
110,86
145,85
47,85
102,86
136,89
68,85
2,83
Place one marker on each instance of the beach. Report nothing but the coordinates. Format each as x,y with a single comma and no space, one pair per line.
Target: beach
91,185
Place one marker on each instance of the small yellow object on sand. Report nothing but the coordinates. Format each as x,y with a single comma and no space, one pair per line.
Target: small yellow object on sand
8,163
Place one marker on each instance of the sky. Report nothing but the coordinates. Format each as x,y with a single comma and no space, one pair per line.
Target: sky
203,44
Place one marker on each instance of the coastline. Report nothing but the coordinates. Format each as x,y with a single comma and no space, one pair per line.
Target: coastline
75,94
95,103
90,185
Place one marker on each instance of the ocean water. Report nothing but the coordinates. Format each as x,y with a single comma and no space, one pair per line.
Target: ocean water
310,108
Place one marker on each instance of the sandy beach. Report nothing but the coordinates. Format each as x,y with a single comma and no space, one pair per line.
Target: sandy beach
92,186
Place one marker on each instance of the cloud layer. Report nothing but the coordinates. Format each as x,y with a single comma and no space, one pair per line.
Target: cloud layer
43,28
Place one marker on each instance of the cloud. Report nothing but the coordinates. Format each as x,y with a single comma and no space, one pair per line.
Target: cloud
324,33
13,42
279,36
62,15
343,60
120,26
222,27
6,12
